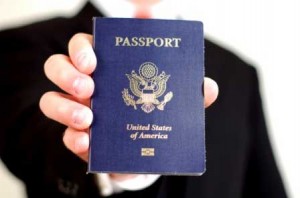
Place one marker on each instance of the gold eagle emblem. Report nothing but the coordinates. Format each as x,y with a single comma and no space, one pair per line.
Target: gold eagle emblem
148,86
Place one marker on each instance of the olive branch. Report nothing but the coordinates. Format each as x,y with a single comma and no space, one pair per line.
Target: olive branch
128,99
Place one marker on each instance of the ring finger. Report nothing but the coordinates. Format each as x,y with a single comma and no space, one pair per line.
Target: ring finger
60,108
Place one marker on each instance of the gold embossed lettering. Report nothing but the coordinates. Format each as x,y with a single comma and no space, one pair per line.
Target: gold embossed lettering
158,42
147,42
126,42
118,40
142,41
134,42
168,42
177,41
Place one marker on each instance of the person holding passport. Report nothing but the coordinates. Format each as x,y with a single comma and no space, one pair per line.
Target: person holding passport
50,155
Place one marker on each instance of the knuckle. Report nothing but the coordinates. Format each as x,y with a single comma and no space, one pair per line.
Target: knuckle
66,138
78,37
63,75
62,108
53,60
44,98
44,102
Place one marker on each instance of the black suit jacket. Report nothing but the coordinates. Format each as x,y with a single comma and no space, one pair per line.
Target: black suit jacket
240,163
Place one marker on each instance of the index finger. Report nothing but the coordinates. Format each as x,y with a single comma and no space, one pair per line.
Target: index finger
82,54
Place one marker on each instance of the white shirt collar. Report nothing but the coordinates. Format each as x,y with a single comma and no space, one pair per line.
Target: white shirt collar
166,9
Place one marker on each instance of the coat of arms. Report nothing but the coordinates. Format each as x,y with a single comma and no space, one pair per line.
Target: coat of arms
148,86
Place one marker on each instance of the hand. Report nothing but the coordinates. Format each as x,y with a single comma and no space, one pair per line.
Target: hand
72,74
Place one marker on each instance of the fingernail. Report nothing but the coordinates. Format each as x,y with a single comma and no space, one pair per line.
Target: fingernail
83,60
82,117
79,85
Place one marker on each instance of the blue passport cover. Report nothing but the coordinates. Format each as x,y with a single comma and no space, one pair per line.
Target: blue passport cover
148,100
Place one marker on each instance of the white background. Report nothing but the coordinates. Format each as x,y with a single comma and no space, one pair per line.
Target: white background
264,33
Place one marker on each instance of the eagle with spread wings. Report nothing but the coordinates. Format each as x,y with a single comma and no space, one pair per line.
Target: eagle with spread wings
148,87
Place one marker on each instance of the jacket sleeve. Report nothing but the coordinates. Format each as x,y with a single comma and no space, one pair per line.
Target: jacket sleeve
30,144
23,128
262,175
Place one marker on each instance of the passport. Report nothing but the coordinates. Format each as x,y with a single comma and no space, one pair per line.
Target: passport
148,102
